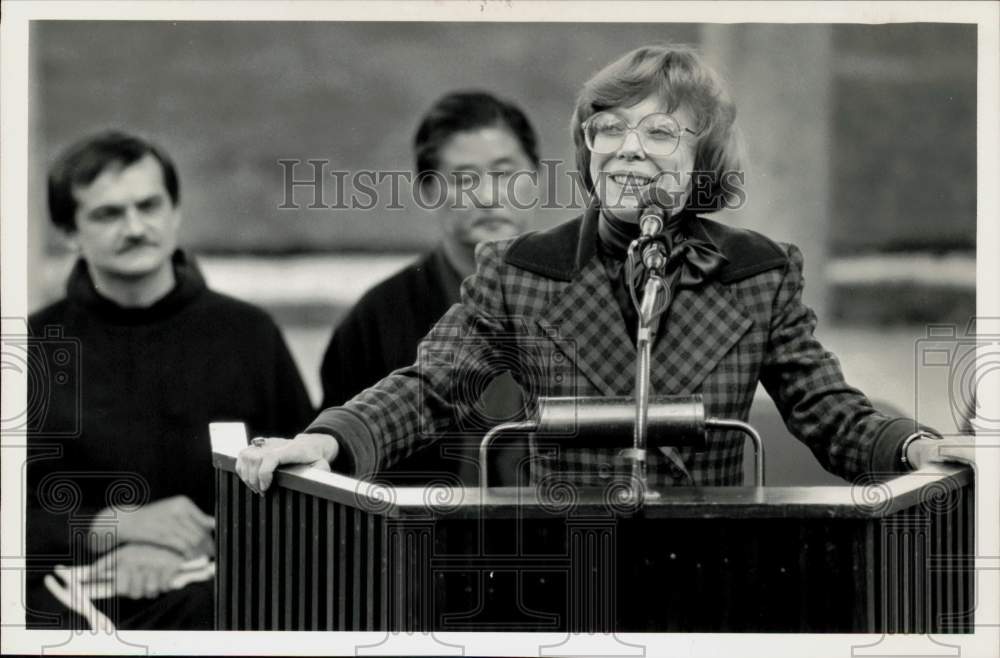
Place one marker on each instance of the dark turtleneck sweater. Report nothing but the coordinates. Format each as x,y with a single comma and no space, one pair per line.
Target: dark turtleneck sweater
130,393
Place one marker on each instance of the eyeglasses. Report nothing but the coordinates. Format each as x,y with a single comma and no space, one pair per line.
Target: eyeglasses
658,133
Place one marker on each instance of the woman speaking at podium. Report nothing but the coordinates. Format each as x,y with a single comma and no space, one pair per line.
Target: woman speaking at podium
558,309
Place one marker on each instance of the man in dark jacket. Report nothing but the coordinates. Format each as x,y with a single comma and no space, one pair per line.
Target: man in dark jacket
131,366
474,153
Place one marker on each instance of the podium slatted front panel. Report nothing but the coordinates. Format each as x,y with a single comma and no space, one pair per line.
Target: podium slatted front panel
292,561
313,555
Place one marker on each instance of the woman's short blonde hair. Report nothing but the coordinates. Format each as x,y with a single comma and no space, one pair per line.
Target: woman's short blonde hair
680,77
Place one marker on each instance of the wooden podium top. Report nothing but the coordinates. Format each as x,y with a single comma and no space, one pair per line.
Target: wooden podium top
867,500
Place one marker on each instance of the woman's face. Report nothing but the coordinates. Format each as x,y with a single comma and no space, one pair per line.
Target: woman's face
621,177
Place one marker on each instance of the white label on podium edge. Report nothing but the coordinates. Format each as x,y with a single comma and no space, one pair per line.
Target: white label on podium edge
228,438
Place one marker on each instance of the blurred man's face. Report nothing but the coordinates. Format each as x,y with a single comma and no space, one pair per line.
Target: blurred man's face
126,224
490,194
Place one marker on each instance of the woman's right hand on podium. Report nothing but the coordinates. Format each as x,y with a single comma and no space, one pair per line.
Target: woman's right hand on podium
256,463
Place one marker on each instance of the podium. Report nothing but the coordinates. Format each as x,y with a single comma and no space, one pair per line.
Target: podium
322,551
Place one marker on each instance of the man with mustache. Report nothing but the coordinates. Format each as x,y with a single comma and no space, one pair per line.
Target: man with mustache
130,490
476,160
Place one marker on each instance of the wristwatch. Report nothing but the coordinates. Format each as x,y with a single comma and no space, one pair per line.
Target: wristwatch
920,434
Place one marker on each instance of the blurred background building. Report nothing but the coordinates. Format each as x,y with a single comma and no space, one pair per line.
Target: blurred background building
861,143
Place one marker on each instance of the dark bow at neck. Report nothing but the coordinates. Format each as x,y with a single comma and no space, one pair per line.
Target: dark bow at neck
690,261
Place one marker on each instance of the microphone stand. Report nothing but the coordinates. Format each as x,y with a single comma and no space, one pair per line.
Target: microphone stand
654,294
654,299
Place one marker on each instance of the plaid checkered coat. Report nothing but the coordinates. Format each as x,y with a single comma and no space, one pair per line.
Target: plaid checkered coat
541,306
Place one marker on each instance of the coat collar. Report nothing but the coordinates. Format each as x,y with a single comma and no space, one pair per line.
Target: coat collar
563,252
701,326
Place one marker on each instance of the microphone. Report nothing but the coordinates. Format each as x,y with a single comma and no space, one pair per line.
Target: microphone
651,221
654,253
654,206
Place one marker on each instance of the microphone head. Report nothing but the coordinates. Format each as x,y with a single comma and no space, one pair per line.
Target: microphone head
651,215
656,203
651,221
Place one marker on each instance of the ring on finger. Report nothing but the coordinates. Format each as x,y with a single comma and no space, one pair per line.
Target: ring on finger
258,442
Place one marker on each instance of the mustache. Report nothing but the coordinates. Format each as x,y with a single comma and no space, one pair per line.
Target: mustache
489,219
133,243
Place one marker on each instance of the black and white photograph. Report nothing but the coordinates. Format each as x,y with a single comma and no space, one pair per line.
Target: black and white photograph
501,328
